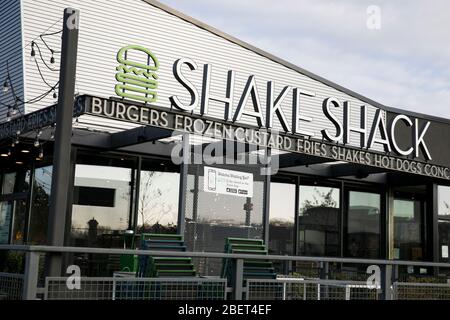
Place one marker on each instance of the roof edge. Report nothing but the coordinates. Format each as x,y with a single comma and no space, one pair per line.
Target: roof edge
290,65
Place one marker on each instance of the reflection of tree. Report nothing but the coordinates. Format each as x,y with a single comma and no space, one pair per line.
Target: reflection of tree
151,208
320,199
40,209
281,222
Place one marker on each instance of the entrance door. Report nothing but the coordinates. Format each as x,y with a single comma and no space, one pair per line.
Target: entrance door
318,220
409,231
362,225
283,191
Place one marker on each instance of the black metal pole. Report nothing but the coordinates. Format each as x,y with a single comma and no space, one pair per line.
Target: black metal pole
62,149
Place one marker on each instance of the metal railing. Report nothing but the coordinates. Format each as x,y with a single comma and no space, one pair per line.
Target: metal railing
310,289
131,288
332,278
11,286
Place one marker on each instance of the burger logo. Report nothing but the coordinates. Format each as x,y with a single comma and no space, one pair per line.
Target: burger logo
137,80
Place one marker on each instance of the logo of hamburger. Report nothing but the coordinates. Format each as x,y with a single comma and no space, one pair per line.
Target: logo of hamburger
137,79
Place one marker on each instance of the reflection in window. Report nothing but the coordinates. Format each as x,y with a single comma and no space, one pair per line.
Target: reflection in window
213,217
282,218
158,202
318,221
444,240
363,225
444,222
444,200
94,224
18,228
5,221
8,183
40,205
408,230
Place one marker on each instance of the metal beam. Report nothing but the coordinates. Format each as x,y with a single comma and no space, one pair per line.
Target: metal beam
61,156
137,136
351,169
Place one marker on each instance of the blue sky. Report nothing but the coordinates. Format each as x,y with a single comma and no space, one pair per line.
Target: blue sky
404,64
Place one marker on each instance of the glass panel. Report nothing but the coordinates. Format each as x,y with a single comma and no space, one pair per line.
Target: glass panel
40,205
444,240
8,183
158,202
5,221
444,200
20,207
104,210
282,218
363,225
318,221
408,243
212,217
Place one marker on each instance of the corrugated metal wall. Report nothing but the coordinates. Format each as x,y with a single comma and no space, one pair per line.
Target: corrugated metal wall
11,52
108,25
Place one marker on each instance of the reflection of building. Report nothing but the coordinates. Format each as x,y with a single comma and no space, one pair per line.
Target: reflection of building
363,232
319,232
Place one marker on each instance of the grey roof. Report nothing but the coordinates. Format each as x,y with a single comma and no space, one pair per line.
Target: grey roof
290,65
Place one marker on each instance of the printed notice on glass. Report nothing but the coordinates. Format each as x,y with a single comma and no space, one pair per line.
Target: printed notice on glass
444,251
234,183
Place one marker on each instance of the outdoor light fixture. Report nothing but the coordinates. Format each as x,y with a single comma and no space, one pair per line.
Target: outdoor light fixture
33,53
54,94
19,162
36,143
25,151
4,155
5,86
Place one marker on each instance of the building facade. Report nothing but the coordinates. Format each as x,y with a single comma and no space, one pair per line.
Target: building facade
180,128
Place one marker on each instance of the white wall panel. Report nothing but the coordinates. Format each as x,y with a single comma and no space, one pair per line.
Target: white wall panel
108,25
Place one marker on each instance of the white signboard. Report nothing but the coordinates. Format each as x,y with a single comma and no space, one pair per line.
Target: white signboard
229,182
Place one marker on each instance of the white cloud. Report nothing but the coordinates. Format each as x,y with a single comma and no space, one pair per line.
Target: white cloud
405,64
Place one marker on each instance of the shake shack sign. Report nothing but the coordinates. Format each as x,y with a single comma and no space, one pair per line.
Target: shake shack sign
349,131
138,80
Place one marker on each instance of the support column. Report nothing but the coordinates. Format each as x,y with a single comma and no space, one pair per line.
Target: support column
183,185
62,149
266,205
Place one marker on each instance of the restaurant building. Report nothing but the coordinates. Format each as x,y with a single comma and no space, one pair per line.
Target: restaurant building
180,128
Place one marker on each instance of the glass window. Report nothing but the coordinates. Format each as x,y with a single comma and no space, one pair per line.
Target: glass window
444,240
444,222
16,182
408,244
9,180
158,197
444,200
212,217
282,218
363,225
5,221
318,221
18,229
40,205
102,201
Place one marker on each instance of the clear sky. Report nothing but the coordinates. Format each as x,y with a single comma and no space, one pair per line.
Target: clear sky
404,64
